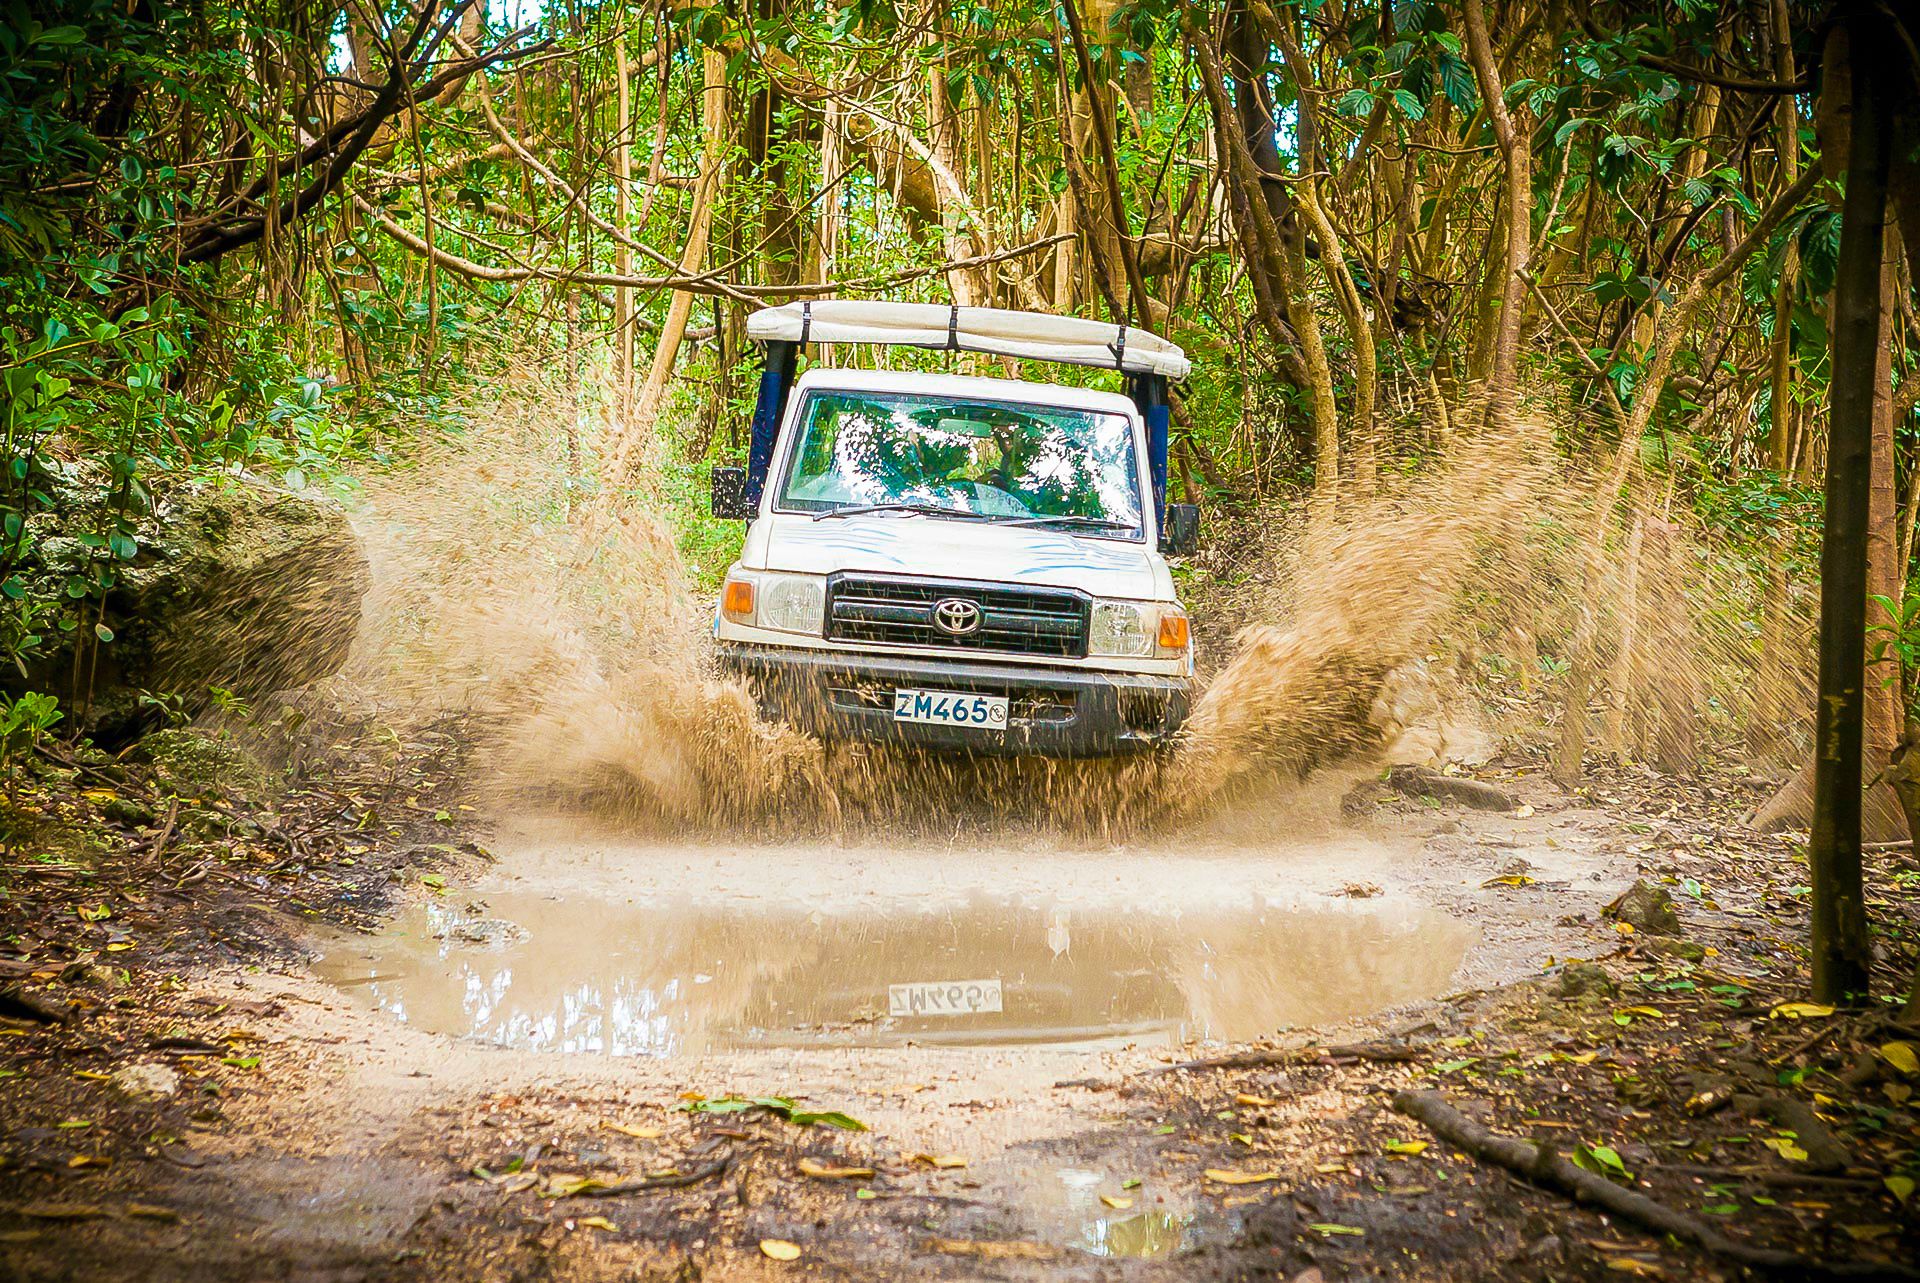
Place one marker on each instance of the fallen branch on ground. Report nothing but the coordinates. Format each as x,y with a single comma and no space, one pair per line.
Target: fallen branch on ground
1378,1052
21,1003
1539,1165
1418,781
679,1180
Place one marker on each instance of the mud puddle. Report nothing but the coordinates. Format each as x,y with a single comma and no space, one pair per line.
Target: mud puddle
668,976
1103,1213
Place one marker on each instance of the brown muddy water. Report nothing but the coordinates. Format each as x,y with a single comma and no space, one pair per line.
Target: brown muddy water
663,952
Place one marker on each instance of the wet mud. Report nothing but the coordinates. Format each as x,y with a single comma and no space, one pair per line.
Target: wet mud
581,973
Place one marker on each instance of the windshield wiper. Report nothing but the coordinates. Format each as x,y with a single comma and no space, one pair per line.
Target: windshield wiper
1088,523
924,509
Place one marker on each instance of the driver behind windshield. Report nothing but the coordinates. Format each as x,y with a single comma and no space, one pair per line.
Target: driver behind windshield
987,460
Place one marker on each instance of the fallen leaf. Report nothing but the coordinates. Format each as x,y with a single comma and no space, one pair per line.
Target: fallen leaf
1325,1168
1897,1092
1867,1233
568,1186
1510,880
1637,1268
1258,1102
1330,1229
149,1212
940,1160
827,1118
595,1223
1901,1187
864,1194
1523,810
64,1211
779,1249
780,1106
1901,1056
829,1172
1785,1148
89,1160
628,1129
1115,1201
1239,1178
1800,1011
992,1249
1407,1146
1601,1160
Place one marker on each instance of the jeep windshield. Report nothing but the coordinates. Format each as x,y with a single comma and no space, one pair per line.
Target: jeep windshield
989,461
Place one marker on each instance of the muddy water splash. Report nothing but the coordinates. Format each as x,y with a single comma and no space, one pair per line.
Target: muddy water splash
564,637
569,639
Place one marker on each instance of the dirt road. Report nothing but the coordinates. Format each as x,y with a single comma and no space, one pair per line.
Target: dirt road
512,1007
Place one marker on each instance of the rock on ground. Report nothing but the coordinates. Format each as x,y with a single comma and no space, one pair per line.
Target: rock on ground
1646,908
246,586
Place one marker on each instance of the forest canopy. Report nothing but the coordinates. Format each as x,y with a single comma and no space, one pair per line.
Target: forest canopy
281,236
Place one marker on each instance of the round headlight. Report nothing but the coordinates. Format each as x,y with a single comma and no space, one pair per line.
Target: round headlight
1119,628
792,604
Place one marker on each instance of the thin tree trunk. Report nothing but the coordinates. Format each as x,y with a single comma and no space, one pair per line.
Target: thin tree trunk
713,120
1501,389
622,218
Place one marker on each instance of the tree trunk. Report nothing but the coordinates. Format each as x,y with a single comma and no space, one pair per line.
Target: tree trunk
622,219
713,120
1842,955
1501,389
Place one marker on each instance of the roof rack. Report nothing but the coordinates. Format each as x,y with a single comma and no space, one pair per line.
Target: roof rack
1033,336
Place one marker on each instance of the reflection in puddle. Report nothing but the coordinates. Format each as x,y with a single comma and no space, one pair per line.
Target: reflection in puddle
1106,1231
585,974
1148,1234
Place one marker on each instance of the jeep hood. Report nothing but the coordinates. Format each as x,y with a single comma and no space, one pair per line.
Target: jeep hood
939,548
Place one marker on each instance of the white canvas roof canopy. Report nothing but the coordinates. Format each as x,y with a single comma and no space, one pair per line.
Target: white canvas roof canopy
1033,336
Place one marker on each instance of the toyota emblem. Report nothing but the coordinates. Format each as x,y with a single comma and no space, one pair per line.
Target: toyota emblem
956,616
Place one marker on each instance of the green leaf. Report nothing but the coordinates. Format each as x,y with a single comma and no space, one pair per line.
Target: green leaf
1601,1160
1456,82
1355,102
827,1118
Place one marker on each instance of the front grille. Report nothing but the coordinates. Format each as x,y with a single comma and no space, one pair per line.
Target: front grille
1013,621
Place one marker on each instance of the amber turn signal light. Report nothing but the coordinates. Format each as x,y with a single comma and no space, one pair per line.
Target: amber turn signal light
736,601
1173,632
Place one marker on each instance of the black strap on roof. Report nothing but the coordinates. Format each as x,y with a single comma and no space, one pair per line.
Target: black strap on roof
1119,348
953,328
806,320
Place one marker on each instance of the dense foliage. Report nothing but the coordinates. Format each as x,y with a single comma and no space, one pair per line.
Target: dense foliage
279,235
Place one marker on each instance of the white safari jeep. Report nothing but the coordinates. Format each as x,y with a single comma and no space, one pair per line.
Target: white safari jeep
960,564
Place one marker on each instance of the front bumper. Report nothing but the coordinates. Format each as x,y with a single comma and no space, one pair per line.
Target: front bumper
1053,711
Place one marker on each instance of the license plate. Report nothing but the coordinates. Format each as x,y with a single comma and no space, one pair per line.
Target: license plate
944,998
946,708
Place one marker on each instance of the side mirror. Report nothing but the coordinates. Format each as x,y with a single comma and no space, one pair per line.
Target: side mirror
1181,535
730,495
